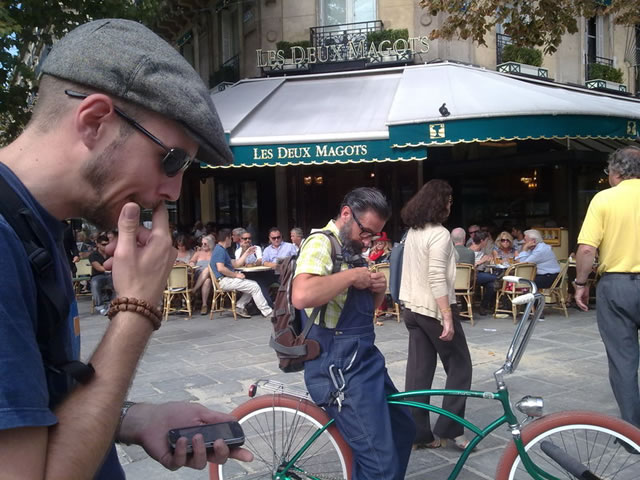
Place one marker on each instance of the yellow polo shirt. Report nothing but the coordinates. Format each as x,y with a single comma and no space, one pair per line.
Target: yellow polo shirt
612,225
315,258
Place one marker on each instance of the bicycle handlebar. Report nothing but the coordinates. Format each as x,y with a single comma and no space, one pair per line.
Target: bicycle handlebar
522,335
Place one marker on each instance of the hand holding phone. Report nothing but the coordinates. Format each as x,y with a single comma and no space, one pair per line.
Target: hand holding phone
230,432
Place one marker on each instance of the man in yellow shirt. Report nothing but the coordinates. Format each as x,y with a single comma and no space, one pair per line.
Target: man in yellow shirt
349,379
612,226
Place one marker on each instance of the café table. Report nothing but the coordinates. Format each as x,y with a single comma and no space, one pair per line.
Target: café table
264,276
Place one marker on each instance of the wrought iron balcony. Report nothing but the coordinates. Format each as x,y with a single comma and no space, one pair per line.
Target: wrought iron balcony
341,35
501,41
591,60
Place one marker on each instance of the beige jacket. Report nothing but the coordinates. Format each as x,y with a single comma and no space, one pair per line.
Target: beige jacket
428,270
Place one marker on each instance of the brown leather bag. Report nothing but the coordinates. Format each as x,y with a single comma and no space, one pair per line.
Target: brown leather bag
289,339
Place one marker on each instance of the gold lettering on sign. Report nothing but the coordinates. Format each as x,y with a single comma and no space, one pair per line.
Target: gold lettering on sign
343,52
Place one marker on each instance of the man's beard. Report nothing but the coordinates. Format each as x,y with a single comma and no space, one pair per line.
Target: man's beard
352,247
99,173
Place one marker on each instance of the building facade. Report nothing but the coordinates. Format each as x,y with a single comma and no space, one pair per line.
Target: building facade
529,179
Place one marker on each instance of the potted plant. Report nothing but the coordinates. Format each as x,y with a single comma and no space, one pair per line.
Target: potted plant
524,60
605,76
390,35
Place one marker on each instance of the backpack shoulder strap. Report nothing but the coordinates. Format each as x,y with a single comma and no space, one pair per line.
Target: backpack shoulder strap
337,259
52,307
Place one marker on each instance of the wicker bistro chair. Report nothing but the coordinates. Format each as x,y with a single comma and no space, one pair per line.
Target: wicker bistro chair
83,274
395,308
178,285
465,285
556,294
220,296
510,290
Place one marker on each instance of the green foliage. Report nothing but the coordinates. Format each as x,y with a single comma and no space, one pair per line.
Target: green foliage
391,34
540,23
287,46
605,72
27,27
530,56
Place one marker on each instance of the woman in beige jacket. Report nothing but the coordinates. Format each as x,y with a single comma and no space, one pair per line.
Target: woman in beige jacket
431,316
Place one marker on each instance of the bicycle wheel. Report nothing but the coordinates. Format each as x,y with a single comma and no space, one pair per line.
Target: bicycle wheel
587,437
275,428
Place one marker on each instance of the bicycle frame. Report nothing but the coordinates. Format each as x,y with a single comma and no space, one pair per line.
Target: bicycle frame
516,349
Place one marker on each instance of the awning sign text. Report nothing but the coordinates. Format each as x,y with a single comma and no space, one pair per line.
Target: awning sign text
343,52
310,151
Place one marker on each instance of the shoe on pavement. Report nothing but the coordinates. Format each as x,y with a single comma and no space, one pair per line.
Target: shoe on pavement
203,310
103,310
242,312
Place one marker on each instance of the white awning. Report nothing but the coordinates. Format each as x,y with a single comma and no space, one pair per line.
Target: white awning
396,113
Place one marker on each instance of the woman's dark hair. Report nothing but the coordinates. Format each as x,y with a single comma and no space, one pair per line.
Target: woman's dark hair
184,239
429,205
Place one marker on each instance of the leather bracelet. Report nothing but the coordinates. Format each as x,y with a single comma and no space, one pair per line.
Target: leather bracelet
135,305
580,284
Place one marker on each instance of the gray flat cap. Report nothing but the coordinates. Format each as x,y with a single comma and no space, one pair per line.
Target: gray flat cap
127,60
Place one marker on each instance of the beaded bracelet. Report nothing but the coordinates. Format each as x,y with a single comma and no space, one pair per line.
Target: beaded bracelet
130,304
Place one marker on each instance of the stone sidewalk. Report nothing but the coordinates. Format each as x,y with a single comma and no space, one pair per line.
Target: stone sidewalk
214,362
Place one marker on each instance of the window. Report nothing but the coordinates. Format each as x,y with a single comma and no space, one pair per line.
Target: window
591,40
338,12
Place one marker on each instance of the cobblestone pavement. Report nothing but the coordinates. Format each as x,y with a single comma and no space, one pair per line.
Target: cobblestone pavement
214,362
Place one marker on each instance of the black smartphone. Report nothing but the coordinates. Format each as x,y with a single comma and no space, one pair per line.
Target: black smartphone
230,432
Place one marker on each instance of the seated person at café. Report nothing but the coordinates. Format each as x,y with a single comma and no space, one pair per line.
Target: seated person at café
101,280
297,236
200,261
484,279
182,244
504,251
254,255
229,279
278,249
536,251
465,255
236,243
381,250
517,232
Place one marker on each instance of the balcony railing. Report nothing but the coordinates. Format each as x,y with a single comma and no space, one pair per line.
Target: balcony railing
501,41
229,72
591,60
341,35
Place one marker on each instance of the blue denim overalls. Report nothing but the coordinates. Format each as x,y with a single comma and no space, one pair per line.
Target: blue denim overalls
350,381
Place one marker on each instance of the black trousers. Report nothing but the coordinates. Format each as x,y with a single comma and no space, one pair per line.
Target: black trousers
424,347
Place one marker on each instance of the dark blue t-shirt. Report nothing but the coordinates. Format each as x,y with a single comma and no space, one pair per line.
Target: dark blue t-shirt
28,391
220,255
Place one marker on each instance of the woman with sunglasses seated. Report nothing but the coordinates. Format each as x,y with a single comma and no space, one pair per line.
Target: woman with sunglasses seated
200,261
504,251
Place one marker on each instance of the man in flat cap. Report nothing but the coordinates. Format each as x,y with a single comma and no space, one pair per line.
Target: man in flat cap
120,116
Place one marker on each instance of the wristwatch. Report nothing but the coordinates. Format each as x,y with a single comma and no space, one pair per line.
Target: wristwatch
123,412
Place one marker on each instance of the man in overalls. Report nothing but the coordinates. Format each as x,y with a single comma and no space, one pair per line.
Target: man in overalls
349,378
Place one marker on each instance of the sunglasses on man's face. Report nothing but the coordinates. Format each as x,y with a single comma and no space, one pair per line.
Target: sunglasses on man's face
176,159
245,239
276,238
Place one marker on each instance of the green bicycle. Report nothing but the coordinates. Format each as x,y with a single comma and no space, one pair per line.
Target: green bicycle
293,439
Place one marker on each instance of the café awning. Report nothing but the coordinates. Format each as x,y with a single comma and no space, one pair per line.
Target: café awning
396,114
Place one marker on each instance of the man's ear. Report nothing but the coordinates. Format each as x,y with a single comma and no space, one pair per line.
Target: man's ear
345,212
94,120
